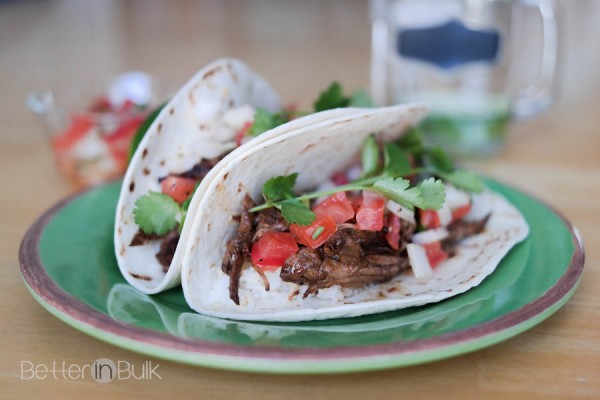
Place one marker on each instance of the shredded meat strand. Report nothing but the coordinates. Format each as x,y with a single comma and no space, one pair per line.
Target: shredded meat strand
168,245
238,250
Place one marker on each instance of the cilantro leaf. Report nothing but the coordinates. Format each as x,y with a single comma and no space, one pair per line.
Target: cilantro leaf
279,188
296,212
369,157
156,213
396,162
463,179
331,97
360,98
263,121
397,189
433,194
411,142
438,158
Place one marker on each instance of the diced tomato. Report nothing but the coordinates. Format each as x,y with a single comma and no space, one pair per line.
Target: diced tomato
429,219
127,106
340,178
460,212
310,236
242,132
178,188
120,139
369,216
291,110
79,128
393,234
356,201
338,206
101,105
272,249
435,253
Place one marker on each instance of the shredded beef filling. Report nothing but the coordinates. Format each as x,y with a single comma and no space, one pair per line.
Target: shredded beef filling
200,170
347,269
350,258
269,220
165,254
238,250
460,230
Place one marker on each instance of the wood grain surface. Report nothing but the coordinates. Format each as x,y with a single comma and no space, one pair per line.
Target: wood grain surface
300,46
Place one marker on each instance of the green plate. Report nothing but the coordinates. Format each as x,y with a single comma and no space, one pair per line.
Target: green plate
68,263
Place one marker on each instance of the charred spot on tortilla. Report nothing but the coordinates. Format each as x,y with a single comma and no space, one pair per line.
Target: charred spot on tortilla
172,111
140,276
162,163
225,176
307,147
132,186
159,127
146,171
191,98
122,249
144,153
240,187
208,227
202,127
211,72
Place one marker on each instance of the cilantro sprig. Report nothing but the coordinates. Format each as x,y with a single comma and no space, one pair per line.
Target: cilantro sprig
157,213
384,172
333,97
265,121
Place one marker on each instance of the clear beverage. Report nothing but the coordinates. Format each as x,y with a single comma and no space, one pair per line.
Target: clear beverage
466,125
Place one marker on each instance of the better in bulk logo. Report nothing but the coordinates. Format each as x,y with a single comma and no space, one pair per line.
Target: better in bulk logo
103,370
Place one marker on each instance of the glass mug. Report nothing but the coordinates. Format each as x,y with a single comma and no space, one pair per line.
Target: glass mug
459,57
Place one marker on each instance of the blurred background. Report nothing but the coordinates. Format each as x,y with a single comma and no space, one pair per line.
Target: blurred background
300,46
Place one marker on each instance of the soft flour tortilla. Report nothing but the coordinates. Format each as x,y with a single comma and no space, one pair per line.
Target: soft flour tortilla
316,151
188,129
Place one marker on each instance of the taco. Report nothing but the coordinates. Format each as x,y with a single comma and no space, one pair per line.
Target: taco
213,114
190,135
345,217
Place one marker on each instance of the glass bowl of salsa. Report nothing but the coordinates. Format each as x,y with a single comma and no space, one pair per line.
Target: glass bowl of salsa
91,138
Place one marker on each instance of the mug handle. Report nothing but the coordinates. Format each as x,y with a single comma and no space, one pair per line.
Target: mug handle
538,96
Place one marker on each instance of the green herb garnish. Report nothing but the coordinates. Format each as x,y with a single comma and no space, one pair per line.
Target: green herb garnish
387,180
333,97
156,213
317,232
265,121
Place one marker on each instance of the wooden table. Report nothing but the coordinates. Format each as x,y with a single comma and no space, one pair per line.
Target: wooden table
301,47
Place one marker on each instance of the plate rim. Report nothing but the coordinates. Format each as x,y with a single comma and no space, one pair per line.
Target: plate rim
85,318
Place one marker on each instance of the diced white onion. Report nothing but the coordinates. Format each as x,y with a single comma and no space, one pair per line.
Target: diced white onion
456,198
135,86
401,212
354,172
480,207
237,117
418,261
430,236
445,215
